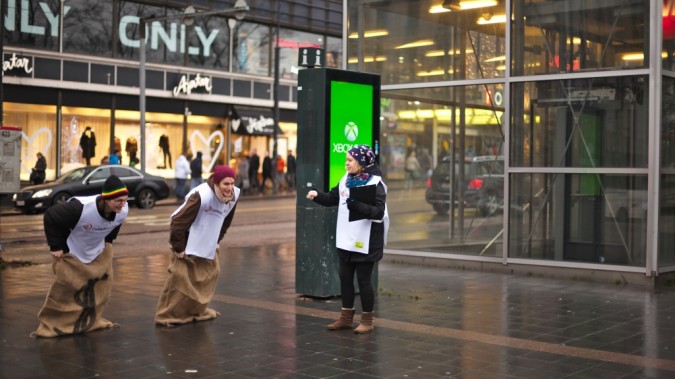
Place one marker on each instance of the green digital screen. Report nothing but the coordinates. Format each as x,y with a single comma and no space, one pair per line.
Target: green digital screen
351,124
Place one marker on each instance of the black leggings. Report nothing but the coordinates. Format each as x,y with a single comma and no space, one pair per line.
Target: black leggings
364,272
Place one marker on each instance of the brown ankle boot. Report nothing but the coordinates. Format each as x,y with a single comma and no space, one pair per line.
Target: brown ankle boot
366,324
346,320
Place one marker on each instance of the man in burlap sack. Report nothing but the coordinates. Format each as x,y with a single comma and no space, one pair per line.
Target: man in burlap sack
80,233
197,227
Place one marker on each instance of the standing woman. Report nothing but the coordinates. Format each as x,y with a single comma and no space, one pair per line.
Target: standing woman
197,227
360,243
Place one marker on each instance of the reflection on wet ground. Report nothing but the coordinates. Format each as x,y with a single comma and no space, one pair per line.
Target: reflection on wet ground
430,322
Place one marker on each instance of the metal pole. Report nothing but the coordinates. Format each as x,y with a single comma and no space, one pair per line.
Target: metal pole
276,100
141,97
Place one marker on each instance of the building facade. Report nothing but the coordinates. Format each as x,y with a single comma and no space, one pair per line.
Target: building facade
546,127
71,78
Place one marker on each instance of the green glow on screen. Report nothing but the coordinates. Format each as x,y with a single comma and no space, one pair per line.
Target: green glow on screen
351,123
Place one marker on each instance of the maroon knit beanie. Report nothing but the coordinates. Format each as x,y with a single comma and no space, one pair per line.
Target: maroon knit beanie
221,172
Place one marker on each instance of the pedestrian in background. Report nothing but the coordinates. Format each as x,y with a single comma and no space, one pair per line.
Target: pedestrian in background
196,171
39,172
280,172
253,167
412,170
80,233
115,158
360,235
242,175
196,229
266,172
291,168
181,173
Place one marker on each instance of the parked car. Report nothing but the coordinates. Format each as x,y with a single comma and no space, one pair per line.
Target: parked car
144,189
483,185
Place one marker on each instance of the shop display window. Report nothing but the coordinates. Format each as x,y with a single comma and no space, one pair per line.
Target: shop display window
444,148
414,42
552,38
595,218
580,123
38,135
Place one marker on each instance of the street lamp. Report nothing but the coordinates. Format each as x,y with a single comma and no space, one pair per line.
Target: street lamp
240,8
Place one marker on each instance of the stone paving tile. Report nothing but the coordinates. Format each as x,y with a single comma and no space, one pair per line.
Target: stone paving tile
430,323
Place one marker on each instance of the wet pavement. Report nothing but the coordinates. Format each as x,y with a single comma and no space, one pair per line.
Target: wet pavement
430,323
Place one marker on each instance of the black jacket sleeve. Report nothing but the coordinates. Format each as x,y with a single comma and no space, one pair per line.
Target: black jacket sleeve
59,221
327,199
113,234
373,212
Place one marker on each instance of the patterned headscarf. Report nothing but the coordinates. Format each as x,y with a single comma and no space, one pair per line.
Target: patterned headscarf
362,154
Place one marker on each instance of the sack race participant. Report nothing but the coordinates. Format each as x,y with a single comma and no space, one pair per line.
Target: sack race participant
361,233
80,233
197,227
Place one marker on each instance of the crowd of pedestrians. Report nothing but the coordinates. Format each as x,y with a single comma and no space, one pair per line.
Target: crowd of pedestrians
252,175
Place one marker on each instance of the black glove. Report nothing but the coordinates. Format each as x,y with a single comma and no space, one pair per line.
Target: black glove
353,205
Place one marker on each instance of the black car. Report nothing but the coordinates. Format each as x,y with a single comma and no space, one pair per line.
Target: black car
144,189
483,185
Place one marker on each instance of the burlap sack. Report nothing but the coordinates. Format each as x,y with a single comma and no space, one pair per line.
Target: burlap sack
188,291
77,297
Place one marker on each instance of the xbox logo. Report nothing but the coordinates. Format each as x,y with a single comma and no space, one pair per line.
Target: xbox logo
351,131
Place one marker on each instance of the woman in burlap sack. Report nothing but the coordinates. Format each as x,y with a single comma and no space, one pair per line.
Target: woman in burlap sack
197,227
80,233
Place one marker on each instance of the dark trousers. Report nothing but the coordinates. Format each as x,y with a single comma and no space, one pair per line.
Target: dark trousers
364,272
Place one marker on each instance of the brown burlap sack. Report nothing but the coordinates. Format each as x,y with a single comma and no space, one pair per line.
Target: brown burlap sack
188,291
77,297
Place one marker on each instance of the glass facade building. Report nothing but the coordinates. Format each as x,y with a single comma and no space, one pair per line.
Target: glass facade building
542,130
210,85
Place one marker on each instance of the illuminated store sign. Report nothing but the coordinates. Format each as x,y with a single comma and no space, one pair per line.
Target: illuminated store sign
173,35
187,85
15,62
25,27
174,38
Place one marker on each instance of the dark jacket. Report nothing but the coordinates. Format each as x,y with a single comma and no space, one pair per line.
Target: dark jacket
267,167
61,219
373,212
254,163
196,167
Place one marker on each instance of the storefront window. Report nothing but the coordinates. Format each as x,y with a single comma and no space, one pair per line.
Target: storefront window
88,27
601,122
579,36
442,152
289,42
85,134
406,42
594,218
667,191
251,49
162,44
38,135
209,43
333,52
209,136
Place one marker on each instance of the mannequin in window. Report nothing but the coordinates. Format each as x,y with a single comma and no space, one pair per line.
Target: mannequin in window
132,148
88,144
164,145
